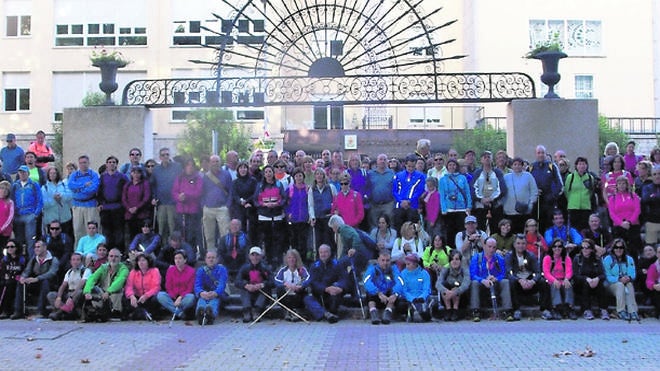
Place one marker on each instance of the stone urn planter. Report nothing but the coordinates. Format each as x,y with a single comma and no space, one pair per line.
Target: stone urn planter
550,77
108,84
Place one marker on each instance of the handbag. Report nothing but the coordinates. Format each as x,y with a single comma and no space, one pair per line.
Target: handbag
521,208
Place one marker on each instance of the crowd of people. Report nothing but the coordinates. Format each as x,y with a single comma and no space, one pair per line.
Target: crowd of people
429,234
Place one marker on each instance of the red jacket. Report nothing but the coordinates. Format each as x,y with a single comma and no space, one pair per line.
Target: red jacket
350,207
139,284
179,283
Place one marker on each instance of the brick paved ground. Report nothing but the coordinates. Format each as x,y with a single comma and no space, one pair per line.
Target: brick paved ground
350,344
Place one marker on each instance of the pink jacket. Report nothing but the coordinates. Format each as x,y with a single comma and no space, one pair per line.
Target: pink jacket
179,283
559,271
624,206
349,207
652,275
191,187
139,284
6,217
431,207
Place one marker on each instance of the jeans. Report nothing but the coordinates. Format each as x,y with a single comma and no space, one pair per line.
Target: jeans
25,228
167,302
214,304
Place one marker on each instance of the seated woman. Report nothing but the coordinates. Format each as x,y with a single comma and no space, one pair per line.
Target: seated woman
178,296
504,237
620,273
142,286
291,282
589,281
384,234
436,257
536,243
653,282
147,242
409,242
558,271
453,282
414,287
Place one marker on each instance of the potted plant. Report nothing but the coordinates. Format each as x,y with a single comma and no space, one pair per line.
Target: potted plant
108,62
549,53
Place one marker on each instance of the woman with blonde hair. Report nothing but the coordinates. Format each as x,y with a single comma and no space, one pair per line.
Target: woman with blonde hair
291,281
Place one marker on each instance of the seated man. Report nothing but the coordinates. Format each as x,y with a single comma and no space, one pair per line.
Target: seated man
105,288
379,282
178,296
59,244
88,243
38,275
147,241
569,236
210,283
233,248
471,240
487,271
176,243
523,273
252,278
68,298
328,282
414,287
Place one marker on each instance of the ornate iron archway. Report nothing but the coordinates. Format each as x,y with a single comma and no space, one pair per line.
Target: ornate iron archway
329,52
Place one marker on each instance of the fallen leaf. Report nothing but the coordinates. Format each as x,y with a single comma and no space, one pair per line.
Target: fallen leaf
182,340
84,360
30,339
40,348
101,342
237,349
37,356
556,355
624,341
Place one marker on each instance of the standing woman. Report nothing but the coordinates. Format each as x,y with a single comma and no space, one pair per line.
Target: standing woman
610,177
242,191
455,199
620,273
187,192
136,198
522,194
6,213
57,202
321,196
270,200
579,188
297,213
624,207
348,202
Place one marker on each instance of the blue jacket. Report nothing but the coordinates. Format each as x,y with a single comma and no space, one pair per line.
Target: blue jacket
211,280
376,280
83,187
27,199
479,271
614,270
325,274
411,189
554,232
413,284
381,186
162,181
454,193
547,179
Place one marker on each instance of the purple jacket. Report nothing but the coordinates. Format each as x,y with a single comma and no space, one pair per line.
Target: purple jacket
191,187
136,195
214,195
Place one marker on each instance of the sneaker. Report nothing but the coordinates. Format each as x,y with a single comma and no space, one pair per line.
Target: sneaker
623,315
634,316
588,315
546,315
375,320
604,315
200,315
56,316
287,317
387,317
476,316
295,318
209,316
330,317
448,314
556,315
247,317
17,316
4,315
454,315
508,317
572,315
517,315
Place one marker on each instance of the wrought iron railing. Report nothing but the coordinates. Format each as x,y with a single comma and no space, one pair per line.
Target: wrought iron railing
348,90
635,125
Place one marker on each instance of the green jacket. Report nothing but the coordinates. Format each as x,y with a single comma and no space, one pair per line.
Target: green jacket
117,283
432,255
579,196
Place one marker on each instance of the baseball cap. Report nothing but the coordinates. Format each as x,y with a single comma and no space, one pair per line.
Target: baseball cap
11,137
24,168
470,219
255,250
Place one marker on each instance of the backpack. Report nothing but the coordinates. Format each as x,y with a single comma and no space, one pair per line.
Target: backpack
96,309
367,241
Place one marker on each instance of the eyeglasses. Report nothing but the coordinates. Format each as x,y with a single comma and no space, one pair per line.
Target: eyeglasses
437,159
344,183
55,228
617,247
279,167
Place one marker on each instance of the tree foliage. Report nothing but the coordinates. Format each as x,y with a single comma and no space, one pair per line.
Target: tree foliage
93,99
196,139
480,139
608,134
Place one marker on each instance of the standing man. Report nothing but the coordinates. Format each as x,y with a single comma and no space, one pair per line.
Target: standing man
549,184
39,274
134,158
36,173
487,191
216,200
162,181
12,155
382,199
407,187
42,149
110,207
28,204
83,183
231,164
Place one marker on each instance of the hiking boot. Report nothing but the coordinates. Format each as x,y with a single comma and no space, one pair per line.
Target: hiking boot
288,317
517,315
247,316
295,318
200,315
604,315
17,316
508,317
330,317
572,314
454,315
623,315
375,320
634,316
448,314
546,315
56,316
387,317
556,315
209,316
476,316
588,315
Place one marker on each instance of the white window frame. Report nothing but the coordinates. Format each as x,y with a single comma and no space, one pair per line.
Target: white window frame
583,92
23,25
588,32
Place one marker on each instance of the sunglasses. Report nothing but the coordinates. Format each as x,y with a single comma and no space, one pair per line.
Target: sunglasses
618,247
344,183
55,228
10,246
280,167
557,246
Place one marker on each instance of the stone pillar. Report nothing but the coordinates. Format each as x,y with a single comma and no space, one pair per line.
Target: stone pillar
568,124
102,131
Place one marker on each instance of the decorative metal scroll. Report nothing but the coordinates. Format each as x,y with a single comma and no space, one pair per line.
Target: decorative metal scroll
346,90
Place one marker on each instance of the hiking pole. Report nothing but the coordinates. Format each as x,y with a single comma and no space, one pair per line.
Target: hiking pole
176,310
314,242
357,290
2,297
493,298
24,299
153,227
